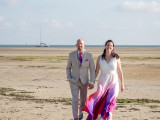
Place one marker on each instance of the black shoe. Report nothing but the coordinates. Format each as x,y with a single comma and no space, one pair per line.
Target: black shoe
80,117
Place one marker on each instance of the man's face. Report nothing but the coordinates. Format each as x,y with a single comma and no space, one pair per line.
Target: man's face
80,45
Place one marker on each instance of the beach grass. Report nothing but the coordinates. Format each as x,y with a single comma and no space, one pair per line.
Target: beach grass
39,58
3,91
64,58
135,58
14,92
154,106
53,68
33,58
134,119
34,66
139,58
18,95
23,95
137,101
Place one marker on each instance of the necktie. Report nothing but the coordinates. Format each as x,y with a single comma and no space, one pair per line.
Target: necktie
80,57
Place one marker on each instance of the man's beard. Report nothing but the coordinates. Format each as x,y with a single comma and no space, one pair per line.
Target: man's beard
80,48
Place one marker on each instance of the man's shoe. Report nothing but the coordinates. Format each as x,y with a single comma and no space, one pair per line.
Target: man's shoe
80,116
76,119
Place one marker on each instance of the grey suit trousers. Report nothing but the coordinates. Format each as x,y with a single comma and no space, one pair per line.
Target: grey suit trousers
75,89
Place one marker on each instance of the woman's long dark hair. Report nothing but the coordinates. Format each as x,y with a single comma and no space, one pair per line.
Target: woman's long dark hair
113,53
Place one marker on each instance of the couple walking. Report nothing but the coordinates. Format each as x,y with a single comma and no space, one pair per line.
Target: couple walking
103,101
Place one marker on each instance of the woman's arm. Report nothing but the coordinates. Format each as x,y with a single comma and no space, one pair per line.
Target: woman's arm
120,74
97,67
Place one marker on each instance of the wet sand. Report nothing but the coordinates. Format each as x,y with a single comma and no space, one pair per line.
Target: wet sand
33,84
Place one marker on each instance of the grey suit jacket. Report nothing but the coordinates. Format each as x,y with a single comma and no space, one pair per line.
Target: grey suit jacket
75,71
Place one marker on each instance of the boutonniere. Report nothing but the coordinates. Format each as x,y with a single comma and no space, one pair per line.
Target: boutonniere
86,60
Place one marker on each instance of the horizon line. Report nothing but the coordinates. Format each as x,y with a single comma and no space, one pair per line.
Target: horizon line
88,44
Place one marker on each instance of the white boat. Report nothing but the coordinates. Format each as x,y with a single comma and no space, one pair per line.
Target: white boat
41,44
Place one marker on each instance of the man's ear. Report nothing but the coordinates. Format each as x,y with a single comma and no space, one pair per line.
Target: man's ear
84,44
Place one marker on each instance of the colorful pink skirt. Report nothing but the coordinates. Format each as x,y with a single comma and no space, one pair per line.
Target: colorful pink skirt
104,99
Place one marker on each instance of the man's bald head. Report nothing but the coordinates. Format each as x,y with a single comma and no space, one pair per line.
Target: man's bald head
80,40
80,45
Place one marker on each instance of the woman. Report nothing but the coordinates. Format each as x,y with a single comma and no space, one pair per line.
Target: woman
103,101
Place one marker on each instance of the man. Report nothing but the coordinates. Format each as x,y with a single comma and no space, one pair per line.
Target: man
77,74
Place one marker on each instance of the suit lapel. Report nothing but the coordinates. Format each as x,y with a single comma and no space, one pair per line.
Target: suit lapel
76,57
84,57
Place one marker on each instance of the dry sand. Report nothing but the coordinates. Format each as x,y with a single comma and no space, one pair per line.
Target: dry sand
33,84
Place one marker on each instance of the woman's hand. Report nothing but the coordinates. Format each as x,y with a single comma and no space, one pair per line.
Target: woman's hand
122,88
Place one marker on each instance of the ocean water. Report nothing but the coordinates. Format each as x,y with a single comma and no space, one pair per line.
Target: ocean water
68,46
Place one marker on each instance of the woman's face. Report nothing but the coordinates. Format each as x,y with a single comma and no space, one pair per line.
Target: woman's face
109,47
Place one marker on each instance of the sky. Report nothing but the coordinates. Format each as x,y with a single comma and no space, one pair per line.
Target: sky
62,22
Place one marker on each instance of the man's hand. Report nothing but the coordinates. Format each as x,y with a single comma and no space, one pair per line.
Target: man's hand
90,86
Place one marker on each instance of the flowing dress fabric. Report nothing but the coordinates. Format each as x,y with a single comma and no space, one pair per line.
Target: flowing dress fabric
104,99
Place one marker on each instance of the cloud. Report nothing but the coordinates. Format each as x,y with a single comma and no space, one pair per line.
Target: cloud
57,24
11,2
4,22
70,24
7,24
46,20
157,24
2,19
23,24
141,6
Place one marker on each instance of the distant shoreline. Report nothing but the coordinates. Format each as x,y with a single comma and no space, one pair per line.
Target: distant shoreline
72,46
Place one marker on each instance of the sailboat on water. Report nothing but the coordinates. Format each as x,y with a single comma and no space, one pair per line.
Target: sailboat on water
41,44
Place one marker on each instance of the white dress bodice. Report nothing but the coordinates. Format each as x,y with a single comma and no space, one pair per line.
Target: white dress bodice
108,67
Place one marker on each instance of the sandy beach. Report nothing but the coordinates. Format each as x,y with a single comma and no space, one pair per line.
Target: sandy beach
33,84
